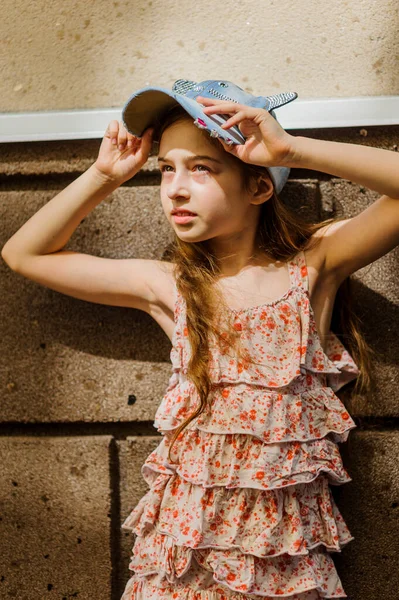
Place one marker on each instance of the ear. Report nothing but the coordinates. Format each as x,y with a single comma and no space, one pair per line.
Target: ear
261,189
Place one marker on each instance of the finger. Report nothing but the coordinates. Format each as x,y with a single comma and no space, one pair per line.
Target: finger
230,108
230,148
212,101
235,119
122,136
112,131
131,140
134,143
221,108
225,146
146,141
222,105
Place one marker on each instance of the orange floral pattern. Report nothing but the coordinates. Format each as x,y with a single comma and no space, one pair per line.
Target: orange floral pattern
247,493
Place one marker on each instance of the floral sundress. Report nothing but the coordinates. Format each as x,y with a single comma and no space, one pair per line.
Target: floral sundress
245,509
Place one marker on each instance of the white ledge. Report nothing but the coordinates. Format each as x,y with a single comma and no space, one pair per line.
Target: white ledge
318,113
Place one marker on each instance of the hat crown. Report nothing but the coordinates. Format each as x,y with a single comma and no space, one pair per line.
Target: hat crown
213,88
226,90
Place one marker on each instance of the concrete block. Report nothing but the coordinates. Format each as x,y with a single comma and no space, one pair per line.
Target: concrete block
376,299
64,359
301,197
370,506
55,518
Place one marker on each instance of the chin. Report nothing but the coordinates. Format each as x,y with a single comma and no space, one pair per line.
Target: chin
191,239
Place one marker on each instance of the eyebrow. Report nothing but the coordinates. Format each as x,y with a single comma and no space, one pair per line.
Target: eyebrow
196,157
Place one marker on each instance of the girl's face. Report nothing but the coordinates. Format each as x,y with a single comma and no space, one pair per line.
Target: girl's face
205,180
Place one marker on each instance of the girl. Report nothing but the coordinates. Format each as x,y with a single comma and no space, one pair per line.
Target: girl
239,504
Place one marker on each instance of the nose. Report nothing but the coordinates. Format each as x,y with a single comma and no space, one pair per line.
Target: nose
177,186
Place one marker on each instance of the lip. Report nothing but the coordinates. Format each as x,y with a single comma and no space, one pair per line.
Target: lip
181,219
183,210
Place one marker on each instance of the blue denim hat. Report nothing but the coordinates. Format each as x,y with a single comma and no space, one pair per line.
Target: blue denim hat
150,104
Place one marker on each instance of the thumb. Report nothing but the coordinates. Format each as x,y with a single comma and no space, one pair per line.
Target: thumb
231,149
146,140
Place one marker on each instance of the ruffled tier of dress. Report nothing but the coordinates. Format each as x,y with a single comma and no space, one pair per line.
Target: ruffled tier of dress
146,589
278,346
259,522
238,460
171,571
301,412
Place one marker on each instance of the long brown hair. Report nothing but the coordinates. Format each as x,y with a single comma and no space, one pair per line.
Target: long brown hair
281,234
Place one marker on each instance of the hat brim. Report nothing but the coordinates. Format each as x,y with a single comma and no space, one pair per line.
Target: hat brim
148,105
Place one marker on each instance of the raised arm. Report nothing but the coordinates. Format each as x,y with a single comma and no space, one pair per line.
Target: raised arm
50,228
351,244
36,249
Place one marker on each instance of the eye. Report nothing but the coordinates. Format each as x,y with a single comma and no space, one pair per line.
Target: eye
195,167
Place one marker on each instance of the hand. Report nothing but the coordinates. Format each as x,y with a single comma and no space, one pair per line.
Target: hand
267,143
122,154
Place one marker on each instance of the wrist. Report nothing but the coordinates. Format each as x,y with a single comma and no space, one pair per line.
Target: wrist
295,158
102,179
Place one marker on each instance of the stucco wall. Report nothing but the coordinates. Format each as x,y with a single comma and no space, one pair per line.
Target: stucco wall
73,54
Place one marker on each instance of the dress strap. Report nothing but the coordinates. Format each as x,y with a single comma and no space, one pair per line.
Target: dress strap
298,271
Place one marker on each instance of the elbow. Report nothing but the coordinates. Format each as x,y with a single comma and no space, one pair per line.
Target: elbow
9,258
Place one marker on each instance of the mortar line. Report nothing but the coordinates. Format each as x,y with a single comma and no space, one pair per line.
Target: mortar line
115,517
121,431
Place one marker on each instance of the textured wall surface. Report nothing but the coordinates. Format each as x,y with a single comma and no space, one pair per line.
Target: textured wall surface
80,384
71,54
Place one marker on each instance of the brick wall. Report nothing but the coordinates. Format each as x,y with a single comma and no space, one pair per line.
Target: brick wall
80,384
